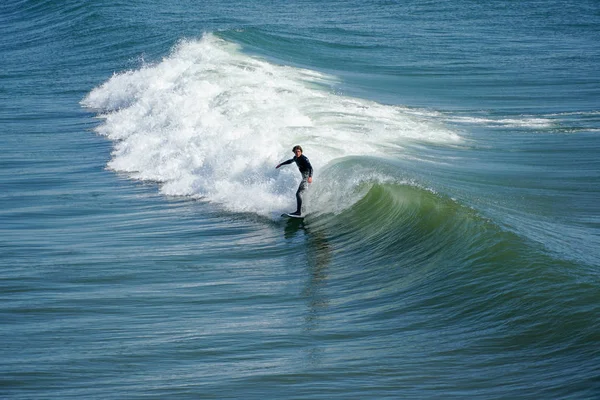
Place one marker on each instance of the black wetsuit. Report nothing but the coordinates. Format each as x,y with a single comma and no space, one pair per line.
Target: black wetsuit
306,170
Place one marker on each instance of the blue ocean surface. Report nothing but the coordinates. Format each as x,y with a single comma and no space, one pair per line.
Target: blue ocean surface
451,240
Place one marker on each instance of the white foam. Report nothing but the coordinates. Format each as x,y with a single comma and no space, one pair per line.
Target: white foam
517,122
211,122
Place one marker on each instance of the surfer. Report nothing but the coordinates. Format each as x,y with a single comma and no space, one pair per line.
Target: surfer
305,169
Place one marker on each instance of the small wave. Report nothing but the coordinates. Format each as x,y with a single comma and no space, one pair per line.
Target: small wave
521,122
562,122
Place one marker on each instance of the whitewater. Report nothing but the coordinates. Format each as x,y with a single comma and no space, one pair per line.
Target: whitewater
211,122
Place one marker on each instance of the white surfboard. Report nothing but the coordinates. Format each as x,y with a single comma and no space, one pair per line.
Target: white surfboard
292,216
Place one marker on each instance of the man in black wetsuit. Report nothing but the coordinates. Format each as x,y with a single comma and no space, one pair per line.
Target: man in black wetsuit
305,169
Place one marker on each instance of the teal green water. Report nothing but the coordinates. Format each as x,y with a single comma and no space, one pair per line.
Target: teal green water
450,245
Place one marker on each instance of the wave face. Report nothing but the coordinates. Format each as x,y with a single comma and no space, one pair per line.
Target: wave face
210,122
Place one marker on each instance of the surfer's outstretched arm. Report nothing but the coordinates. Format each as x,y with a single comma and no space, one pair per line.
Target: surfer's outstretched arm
291,160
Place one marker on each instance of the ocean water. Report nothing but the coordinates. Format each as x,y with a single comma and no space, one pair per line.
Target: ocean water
451,242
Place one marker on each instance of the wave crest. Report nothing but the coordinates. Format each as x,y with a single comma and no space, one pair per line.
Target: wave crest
210,122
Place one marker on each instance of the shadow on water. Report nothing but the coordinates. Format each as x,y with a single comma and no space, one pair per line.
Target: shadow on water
318,257
293,226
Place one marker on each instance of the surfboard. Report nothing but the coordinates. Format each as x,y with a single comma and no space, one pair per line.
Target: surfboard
292,216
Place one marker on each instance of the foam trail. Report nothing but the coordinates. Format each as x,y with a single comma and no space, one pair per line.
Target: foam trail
211,122
522,122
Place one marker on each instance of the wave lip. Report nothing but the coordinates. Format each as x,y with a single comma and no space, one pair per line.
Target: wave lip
210,122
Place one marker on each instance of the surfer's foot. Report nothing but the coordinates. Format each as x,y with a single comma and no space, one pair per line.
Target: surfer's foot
297,213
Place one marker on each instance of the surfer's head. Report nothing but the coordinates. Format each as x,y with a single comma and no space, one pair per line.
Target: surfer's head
297,149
